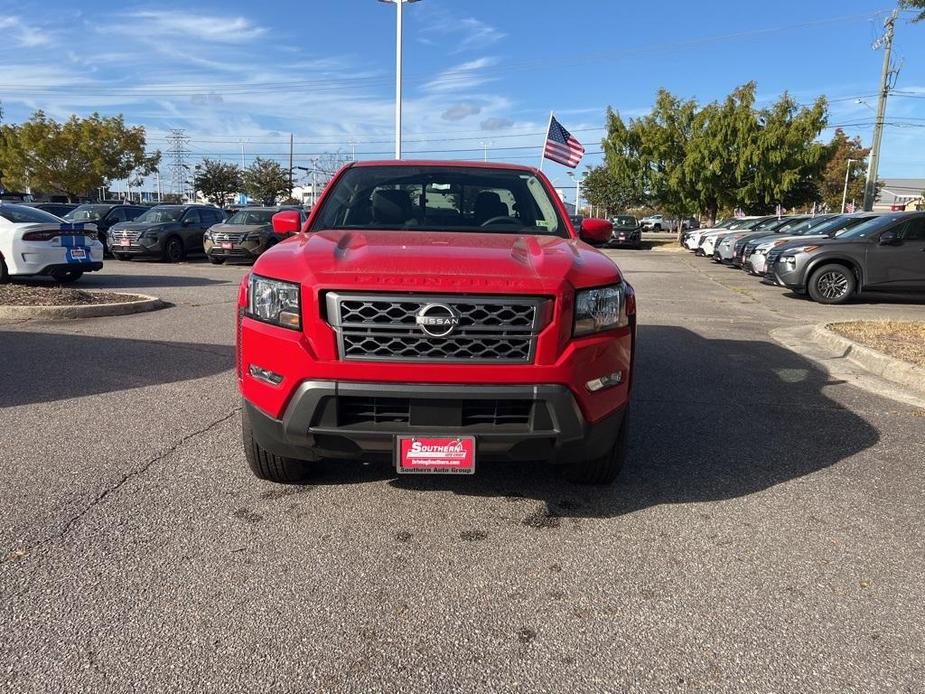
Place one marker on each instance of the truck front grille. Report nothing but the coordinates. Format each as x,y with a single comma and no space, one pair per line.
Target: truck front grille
388,328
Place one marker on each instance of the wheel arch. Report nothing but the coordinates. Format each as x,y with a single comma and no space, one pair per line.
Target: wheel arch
839,259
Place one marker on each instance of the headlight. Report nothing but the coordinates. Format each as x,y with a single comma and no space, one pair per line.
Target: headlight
275,302
600,309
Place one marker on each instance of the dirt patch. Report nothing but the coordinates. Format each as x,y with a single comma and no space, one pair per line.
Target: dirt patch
898,339
31,295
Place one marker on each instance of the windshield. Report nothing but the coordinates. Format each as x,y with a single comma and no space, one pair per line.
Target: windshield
20,214
809,225
440,198
870,226
86,213
625,221
749,223
160,215
251,217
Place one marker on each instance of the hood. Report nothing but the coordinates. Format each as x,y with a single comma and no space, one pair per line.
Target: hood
240,228
431,261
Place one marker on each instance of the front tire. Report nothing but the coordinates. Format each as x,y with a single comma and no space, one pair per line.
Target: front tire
832,284
4,273
269,466
604,469
173,250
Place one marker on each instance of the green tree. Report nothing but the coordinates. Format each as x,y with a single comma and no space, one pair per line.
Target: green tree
266,180
785,161
72,158
915,5
217,180
623,162
832,181
600,189
716,162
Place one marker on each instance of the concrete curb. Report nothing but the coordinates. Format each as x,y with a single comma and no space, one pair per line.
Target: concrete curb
140,304
878,363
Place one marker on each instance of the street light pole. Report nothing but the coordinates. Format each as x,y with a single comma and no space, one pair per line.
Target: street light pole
577,193
844,194
398,67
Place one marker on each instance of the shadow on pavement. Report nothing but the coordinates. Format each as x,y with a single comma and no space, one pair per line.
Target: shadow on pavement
711,420
44,367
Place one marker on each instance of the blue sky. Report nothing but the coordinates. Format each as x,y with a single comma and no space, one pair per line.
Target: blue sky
479,71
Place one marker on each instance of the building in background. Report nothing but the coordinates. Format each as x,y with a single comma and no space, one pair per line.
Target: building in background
900,194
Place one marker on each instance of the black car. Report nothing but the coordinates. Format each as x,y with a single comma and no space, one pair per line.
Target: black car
58,209
884,253
168,232
105,215
627,231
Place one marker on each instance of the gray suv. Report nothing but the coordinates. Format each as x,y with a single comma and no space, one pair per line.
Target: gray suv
885,253
168,232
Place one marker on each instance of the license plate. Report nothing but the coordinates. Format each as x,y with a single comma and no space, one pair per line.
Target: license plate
78,254
227,245
125,242
435,455
622,237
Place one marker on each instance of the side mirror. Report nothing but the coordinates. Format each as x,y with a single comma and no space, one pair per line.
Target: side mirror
287,222
595,230
187,223
889,238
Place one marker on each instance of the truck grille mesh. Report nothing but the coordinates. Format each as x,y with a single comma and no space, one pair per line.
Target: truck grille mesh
385,328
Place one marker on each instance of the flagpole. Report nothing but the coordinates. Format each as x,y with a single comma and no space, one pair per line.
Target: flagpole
545,139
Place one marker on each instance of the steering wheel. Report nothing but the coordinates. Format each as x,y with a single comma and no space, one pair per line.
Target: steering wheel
504,219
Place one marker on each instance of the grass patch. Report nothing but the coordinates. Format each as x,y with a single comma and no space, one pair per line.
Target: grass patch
900,339
36,295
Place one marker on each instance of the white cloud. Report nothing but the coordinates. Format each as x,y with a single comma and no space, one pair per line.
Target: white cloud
23,34
202,27
461,76
470,33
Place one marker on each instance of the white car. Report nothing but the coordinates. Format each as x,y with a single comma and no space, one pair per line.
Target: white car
33,242
655,222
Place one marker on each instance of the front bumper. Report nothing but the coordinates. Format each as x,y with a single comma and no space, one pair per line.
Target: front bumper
245,250
139,247
320,421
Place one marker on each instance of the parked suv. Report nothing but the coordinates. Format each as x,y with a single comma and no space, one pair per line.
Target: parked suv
435,315
168,232
58,209
104,216
885,253
244,235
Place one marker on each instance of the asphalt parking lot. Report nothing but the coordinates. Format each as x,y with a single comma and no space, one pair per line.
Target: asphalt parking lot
766,534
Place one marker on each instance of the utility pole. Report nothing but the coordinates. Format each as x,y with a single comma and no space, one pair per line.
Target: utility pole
177,152
870,189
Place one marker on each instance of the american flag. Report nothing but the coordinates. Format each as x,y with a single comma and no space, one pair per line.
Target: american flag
561,146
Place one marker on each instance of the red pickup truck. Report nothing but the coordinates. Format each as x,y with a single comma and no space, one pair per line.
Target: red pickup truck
436,314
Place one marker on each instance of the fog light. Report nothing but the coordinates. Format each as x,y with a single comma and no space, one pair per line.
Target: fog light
605,381
265,375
